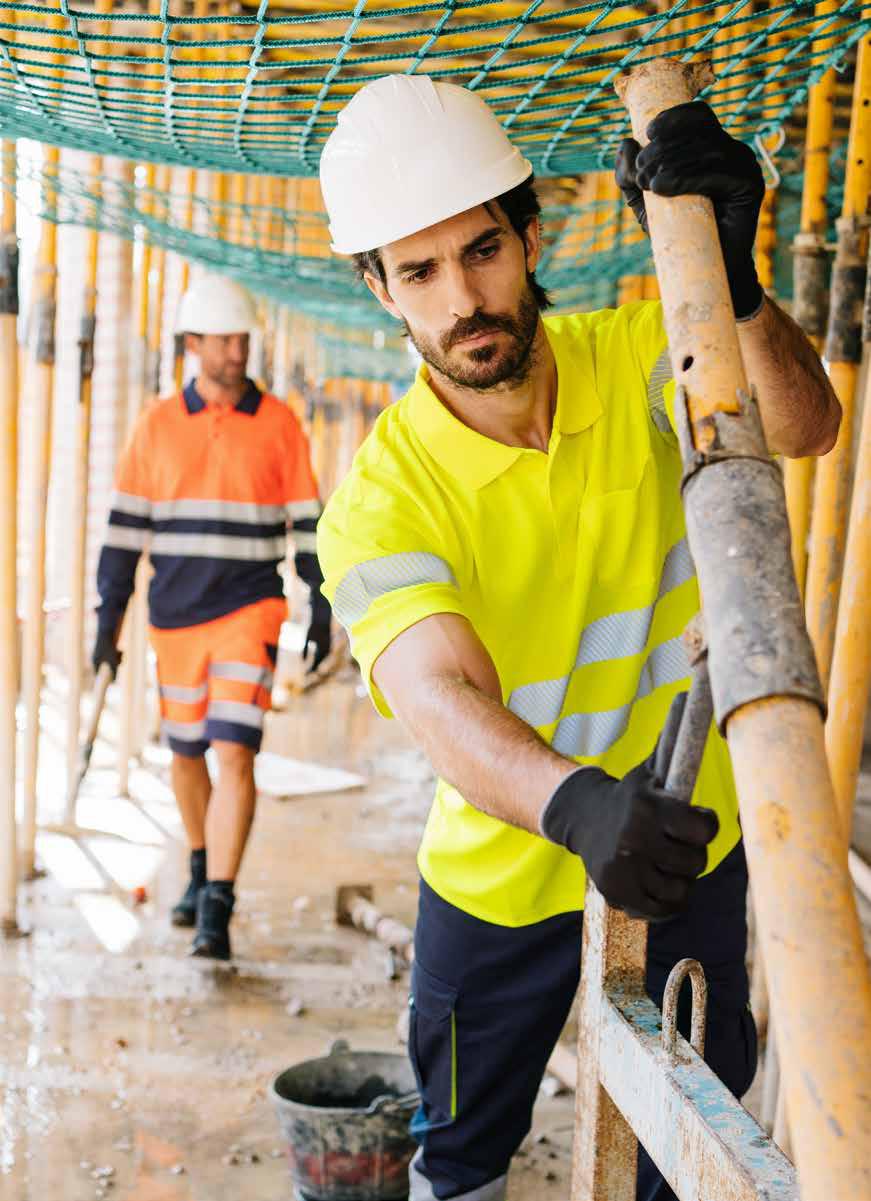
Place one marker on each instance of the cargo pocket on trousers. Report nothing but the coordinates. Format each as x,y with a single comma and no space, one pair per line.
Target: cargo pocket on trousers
432,1047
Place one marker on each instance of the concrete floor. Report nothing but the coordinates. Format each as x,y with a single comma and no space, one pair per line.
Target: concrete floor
128,1071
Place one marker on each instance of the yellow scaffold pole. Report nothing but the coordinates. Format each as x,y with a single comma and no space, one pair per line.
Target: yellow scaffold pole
135,620
843,354
8,544
40,398
79,506
765,689
811,284
851,663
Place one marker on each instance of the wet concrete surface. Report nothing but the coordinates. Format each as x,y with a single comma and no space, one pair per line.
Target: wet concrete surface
128,1071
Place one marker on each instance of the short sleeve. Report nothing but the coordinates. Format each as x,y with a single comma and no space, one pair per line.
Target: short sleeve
385,566
299,483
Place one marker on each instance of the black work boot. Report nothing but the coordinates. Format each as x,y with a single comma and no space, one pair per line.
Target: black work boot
185,912
214,910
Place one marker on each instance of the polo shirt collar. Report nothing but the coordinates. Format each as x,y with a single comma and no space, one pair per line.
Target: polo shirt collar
249,403
476,460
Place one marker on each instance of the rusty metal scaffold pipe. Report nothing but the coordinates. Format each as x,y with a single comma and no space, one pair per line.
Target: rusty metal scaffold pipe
843,353
8,544
766,691
851,664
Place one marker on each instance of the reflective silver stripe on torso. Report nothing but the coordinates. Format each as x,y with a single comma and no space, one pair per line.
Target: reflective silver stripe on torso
219,546
134,506
305,541
367,581
244,511
615,636
298,510
126,537
589,734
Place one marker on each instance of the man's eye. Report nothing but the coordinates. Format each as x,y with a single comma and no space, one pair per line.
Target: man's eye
487,252
417,277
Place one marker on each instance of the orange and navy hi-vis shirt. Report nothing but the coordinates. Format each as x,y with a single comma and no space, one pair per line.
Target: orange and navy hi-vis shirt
210,491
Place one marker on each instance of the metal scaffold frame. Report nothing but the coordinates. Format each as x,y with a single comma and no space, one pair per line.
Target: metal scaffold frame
768,701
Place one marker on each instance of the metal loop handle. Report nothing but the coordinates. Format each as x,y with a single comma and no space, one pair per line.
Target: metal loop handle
676,977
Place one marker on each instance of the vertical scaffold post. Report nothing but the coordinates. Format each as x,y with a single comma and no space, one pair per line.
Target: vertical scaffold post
135,619
811,281
843,354
9,673
766,690
851,663
79,507
40,396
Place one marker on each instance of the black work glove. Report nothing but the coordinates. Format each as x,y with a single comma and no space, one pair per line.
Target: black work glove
318,641
689,153
642,847
105,651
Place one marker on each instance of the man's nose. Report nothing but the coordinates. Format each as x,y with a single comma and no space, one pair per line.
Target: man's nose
464,296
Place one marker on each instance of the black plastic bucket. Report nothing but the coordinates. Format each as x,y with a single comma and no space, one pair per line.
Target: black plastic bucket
345,1120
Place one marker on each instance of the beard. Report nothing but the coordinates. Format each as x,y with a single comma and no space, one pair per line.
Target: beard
484,367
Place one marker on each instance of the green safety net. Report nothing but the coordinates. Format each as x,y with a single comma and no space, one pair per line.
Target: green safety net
255,87
586,250
587,247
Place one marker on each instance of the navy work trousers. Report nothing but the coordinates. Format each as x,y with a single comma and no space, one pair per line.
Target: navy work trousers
489,1002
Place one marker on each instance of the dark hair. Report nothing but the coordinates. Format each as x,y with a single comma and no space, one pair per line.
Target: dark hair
520,205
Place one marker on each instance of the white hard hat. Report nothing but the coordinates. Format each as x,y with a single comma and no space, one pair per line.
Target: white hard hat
216,305
408,152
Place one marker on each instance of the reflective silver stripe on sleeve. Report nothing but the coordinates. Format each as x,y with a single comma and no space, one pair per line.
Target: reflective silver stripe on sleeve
125,537
305,541
184,731
187,696
660,374
218,510
615,636
219,546
588,734
367,581
246,673
297,510
238,712
134,506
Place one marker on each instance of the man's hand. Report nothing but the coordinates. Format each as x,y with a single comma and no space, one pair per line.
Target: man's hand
318,641
689,153
106,651
642,846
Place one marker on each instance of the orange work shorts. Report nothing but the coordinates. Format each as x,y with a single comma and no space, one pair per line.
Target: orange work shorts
216,678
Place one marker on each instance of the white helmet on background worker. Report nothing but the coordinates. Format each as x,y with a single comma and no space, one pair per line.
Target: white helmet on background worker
408,152
216,305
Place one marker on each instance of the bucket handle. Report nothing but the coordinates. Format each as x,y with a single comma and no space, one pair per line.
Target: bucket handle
388,1104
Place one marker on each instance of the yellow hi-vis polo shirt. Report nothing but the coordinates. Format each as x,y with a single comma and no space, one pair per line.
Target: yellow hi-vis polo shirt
572,567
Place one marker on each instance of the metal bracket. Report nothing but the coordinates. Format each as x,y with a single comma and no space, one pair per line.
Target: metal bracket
676,977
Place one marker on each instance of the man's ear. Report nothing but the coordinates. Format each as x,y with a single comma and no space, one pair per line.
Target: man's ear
379,291
532,243
192,343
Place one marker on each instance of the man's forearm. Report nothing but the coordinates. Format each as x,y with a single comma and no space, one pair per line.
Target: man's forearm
498,762
800,411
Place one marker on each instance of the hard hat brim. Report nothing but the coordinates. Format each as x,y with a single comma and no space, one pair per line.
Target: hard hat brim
517,169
